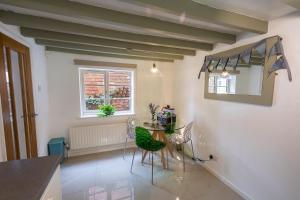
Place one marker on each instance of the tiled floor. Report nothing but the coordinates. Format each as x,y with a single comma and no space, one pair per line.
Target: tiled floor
106,176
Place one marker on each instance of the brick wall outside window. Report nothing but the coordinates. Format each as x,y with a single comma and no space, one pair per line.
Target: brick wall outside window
119,85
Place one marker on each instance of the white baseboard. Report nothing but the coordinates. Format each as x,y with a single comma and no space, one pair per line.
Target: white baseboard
80,152
227,182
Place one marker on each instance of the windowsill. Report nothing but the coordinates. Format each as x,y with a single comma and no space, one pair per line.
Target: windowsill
121,114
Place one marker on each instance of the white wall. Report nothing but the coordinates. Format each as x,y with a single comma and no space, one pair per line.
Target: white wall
63,82
256,147
40,93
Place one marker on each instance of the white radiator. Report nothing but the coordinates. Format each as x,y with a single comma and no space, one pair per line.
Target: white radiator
97,136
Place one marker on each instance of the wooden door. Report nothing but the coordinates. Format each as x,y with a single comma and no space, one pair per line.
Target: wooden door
17,100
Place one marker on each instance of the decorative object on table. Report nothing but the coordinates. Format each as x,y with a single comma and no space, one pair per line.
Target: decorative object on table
145,141
153,109
130,132
106,110
166,115
244,54
170,128
182,138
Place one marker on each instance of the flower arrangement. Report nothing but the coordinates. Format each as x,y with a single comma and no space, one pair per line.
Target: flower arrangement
153,108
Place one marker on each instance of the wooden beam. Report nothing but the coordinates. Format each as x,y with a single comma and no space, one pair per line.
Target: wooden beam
50,35
92,53
103,63
293,3
67,27
198,11
95,14
111,50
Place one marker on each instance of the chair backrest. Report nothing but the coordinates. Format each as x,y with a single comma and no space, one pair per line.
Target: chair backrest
145,140
187,133
130,127
143,137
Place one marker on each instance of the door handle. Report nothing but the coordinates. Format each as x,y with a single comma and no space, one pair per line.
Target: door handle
34,115
31,115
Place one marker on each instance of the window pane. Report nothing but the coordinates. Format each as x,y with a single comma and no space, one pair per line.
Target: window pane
221,90
211,81
222,82
121,104
93,78
91,91
211,89
119,91
119,78
94,89
93,103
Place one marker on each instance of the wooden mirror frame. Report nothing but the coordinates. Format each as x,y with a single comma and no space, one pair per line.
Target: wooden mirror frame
266,97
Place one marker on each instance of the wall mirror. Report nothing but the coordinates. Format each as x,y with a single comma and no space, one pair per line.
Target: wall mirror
244,74
246,79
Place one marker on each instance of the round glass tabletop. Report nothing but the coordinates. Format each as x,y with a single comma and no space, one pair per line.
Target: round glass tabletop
156,126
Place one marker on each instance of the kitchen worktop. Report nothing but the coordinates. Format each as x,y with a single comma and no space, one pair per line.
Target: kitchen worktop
26,179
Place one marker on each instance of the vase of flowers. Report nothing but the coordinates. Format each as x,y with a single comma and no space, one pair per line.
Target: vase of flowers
153,108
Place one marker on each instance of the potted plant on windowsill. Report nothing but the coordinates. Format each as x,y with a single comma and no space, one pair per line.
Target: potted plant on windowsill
106,110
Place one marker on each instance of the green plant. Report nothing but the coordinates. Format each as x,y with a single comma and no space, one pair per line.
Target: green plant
106,110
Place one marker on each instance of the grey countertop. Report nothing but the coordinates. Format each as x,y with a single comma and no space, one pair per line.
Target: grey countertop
26,179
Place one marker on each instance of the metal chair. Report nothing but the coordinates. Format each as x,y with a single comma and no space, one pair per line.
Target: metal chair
182,138
130,133
145,141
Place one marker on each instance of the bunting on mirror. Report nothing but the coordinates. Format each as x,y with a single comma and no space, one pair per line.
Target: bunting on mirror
211,62
281,61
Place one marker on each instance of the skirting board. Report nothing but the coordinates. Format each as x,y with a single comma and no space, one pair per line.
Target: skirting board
227,182
99,149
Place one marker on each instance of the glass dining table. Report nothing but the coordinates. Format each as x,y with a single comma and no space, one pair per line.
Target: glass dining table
160,132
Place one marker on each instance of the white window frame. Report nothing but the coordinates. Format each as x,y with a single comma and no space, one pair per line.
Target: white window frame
216,86
85,113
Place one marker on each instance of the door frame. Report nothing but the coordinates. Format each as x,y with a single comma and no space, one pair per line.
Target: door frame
27,94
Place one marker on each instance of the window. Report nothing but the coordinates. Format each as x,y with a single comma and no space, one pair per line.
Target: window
100,86
221,85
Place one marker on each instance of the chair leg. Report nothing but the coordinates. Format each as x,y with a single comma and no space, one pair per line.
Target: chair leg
182,146
125,148
152,167
193,149
167,158
132,160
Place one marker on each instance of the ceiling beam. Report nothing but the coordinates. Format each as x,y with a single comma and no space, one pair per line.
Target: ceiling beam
110,50
92,53
68,27
65,37
293,3
81,11
198,11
